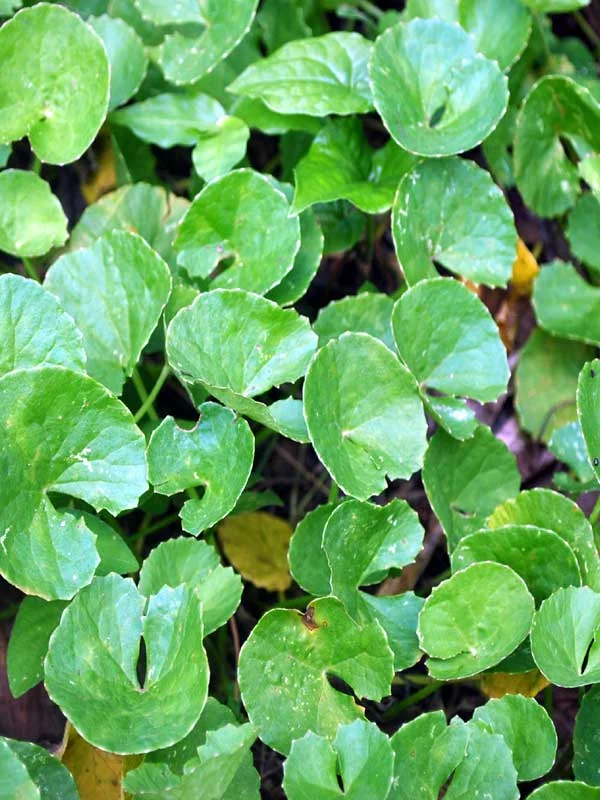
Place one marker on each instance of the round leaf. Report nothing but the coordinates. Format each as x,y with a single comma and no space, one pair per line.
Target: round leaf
284,664
588,410
500,37
91,666
308,563
436,95
433,224
32,221
473,620
60,108
566,790
566,305
363,430
369,312
126,54
586,739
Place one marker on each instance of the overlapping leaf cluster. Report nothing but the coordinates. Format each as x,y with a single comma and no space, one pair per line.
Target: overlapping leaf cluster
431,117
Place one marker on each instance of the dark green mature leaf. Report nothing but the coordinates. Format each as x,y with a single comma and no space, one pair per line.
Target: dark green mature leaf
500,37
369,312
566,790
526,728
566,305
126,54
434,223
465,481
308,563
564,641
583,230
586,739
449,341
226,221
360,752
305,649
116,291
34,329
473,620
35,621
547,382
60,431
588,410
197,565
219,445
340,165
204,342
436,95
557,114
29,772
318,76
363,430
32,221
92,661
60,108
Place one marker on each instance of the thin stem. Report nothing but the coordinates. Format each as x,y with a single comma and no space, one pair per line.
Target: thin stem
587,29
595,512
549,700
414,698
334,491
36,165
295,602
148,404
370,8
143,394
30,269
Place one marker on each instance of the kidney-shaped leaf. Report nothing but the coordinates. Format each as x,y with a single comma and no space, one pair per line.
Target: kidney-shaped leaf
363,414
60,431
54,89
473,620
32,221
433,223
285,662
29,772
217,454
436,95
91,666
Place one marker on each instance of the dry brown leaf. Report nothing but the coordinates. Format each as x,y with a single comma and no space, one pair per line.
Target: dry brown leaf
104,178
98,775
497,684
256,543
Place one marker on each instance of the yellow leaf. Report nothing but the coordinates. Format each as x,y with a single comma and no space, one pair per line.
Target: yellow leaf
104,176
98,775
257,544
525,270
497,684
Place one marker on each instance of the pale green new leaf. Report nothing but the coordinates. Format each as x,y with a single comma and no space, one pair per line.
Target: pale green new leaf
29,772
319,76
32,221
588,411
435,93
116,291
586,739
91,666
583,230
220,148
369,312
305,649
220,445
450,212
54,85
126,54
566,305
363,414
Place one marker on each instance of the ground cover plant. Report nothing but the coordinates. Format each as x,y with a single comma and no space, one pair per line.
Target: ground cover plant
300,399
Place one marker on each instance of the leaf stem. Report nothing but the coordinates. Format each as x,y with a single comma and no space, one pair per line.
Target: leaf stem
595,512
30,269
549,700
148,404
36,165
334,491
370,8
587,29
158,526
143,395
414,698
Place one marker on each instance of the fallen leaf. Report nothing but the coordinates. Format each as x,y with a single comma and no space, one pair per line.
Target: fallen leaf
525,271
104,177
528,684
257,544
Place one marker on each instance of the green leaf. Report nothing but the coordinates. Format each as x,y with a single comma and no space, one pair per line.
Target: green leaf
185,59
465,481
449,340
360,752
588,410
501,38
306,648
340,165
363,432
220,148
32,221
555,6
526,728
563,642
566,305
432,223
547,382
35,621
220,444
260,117
453,415
115,554
60,108
319,76
557,113
583,230
342,224
473,620
308,563
566,790
92,661
586,739
116,291
29,772
427,9
436,95
161,14
589,169
5,153
204,342
197,565
34,329
554,512
369,312
60,431
226,221
127,57
541,557
568,445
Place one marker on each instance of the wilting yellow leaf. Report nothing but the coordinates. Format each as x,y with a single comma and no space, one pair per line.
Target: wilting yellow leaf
525,270
257,544
98,775
497,684
104,176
